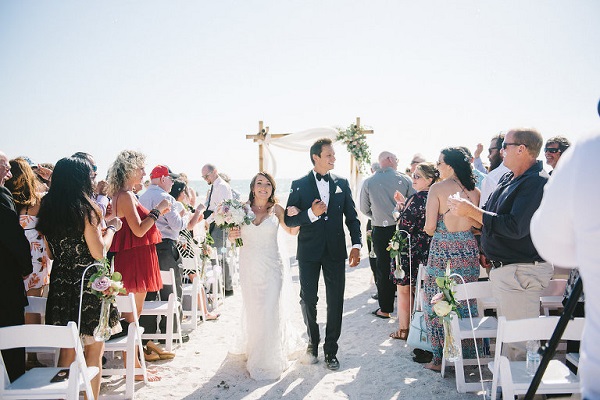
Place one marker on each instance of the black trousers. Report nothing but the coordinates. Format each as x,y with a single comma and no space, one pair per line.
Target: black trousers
334,273
385,287
14,359
168,257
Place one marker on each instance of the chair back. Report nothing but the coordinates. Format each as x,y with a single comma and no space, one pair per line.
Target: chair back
37,305
473,290
556,287
168,277
521,330
35,335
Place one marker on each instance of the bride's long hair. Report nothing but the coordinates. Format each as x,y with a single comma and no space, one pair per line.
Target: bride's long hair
272,199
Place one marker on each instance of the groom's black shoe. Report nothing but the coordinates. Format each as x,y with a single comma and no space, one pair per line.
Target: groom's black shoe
332,362
311,356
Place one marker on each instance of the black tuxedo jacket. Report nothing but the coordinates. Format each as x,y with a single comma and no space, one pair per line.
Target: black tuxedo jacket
327,233
15,256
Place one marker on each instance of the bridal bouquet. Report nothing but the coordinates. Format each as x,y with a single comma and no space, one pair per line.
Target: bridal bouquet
105,286
443,304
398,246
232,213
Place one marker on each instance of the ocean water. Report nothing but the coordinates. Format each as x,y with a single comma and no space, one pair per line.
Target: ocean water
242,186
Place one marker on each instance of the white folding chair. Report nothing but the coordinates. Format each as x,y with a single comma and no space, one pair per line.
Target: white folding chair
483,327
552,296
513,376
169,308
194,291
37,305
129,344
215,280
35,383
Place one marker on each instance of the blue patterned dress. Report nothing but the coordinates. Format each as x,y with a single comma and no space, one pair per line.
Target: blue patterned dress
460,248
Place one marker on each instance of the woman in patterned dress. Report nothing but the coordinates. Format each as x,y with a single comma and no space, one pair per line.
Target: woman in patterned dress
70,221
412,220
452,242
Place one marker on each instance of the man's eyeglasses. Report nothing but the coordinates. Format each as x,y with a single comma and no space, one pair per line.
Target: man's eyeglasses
552,150
505,145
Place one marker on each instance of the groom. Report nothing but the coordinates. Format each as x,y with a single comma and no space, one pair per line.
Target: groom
324,199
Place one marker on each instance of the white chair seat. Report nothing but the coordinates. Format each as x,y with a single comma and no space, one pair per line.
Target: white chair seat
485,327
36,382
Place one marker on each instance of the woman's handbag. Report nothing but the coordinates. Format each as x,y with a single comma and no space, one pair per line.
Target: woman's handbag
417,334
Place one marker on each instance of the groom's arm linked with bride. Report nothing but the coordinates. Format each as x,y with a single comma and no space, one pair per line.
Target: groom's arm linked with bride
322,245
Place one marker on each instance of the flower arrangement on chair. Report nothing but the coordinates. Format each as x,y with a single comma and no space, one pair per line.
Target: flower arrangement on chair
105,286
443,304
398,246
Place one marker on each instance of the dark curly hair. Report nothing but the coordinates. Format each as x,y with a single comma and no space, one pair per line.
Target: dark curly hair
272,199
68,203
459,161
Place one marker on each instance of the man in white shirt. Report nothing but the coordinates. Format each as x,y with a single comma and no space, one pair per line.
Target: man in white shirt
219,191
496,171
566,231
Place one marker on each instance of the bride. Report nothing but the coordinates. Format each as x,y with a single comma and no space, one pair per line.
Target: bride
267,337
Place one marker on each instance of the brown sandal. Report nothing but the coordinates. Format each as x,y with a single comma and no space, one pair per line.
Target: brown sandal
401,334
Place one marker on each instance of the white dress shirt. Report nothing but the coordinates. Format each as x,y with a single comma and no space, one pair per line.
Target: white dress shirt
490,181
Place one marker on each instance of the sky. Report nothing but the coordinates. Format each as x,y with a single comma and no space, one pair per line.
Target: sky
184,82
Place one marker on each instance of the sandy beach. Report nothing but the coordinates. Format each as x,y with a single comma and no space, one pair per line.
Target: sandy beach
373,366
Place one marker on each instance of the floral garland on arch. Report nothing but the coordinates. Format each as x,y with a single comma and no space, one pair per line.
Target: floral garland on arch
356,144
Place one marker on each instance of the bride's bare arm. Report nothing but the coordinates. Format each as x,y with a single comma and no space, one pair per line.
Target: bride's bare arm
280,213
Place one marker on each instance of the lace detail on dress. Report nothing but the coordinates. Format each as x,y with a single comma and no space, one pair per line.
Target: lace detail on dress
267,336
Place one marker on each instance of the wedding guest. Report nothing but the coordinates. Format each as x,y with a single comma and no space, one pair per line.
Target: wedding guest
518,273
267,335
23,186
169,224
70,221
496,171
15,263
372,257
416,160
219,191
377,202
186,242
412,220
571,238
453,242
135,244
554,149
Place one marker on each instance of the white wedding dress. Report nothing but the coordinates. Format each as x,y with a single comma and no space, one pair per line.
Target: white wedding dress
266,337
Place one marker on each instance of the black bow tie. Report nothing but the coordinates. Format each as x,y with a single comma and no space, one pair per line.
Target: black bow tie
324,177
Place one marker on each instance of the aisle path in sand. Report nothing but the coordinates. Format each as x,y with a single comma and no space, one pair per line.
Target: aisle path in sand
373,366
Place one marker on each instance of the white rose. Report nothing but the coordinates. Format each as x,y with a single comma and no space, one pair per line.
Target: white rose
442,308
395,245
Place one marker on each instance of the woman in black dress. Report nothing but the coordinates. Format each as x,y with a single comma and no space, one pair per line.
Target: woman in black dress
71,223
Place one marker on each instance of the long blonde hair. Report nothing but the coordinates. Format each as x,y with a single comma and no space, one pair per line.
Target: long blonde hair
127,162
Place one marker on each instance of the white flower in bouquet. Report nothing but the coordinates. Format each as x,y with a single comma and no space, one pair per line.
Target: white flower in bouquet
442,308
232,213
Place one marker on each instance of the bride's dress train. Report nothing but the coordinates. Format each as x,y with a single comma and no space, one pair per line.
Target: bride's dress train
266,337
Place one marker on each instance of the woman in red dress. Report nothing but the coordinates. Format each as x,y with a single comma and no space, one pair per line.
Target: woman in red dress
135,243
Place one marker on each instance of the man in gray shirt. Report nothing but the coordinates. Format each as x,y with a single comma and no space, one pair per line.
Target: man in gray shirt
377,203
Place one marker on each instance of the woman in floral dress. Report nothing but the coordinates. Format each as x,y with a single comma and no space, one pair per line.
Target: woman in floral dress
412,220
453,242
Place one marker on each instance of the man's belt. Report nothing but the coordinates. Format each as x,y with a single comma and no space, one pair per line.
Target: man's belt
497,264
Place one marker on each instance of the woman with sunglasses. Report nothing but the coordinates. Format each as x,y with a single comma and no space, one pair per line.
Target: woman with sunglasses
453,242
412,220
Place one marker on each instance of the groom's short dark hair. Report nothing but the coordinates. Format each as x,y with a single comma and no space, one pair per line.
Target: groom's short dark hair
317,147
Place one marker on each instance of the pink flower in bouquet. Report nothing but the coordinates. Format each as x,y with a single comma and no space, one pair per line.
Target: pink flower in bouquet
101,284
438,297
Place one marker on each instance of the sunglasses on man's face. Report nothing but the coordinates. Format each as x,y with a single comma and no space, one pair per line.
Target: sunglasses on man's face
552,150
